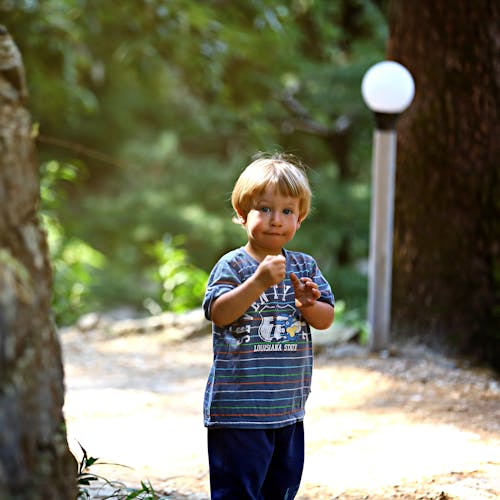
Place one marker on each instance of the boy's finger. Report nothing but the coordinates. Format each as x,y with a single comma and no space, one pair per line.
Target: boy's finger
278,258
274,258
294,278
310,283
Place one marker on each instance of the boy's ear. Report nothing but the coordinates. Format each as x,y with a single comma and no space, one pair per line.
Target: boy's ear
242,217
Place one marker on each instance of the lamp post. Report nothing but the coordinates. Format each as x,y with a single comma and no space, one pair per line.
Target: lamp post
387,89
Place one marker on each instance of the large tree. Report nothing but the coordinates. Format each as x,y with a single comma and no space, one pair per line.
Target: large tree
447,221
35,463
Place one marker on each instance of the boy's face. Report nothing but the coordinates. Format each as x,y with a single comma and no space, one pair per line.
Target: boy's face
271,222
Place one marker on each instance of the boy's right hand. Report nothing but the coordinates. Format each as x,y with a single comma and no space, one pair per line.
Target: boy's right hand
231,305
271,270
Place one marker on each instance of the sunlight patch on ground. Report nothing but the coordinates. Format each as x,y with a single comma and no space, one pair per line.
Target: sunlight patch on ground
410,452
138,429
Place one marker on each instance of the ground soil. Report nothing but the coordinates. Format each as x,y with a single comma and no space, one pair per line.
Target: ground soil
408,425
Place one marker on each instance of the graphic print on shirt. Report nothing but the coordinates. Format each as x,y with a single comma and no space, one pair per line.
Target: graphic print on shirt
242,334
282,325
274,318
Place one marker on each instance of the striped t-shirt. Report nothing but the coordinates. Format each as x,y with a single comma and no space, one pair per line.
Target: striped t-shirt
262,367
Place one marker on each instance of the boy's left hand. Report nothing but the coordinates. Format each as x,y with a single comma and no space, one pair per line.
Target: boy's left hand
306,291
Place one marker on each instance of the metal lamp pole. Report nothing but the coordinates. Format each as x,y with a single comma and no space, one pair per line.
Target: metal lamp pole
387,89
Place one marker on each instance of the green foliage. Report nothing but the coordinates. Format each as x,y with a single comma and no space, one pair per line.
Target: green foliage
352,318
183,285
118,490
84,477
72,259
161,104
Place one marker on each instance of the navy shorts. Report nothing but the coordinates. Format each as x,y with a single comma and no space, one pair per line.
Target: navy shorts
256,464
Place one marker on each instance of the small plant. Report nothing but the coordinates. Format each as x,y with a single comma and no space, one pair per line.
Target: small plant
84,478
352,318
182,283
146,492
116,489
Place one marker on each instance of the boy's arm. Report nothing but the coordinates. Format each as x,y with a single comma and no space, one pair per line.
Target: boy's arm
318,314
233,304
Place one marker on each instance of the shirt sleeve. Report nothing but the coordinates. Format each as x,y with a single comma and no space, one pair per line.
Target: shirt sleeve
323,286
222,279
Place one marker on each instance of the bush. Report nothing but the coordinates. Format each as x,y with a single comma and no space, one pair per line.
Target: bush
182,285
72,259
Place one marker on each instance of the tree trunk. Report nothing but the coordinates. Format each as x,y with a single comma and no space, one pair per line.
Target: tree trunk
35,462
447,214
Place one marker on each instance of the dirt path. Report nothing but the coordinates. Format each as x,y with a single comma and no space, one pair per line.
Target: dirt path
413,426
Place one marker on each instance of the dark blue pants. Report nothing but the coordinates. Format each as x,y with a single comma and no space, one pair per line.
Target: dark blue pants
256,464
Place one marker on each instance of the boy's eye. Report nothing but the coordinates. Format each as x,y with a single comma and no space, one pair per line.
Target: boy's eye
288,211
265,209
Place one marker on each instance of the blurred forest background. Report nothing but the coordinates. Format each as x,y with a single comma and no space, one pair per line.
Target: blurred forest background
146,111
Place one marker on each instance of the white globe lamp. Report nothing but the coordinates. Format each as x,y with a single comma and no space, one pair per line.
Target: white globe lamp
388,87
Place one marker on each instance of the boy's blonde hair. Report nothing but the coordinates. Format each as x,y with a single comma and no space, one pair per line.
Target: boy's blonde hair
285,173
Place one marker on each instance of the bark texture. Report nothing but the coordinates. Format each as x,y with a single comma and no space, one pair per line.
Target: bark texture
447,214
35,462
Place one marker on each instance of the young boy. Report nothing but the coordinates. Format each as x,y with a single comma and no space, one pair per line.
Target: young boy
261,300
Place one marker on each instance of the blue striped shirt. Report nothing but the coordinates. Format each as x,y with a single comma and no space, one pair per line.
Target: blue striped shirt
261,372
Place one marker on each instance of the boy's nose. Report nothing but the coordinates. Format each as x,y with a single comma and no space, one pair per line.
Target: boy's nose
276,219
